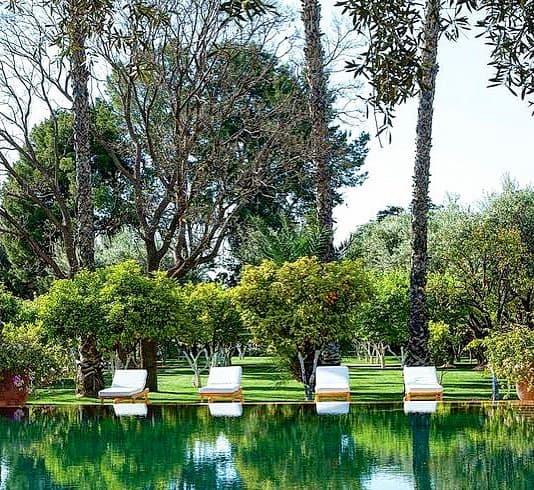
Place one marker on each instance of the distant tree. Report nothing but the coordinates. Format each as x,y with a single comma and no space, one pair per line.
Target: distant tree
209,327
389,211
381,321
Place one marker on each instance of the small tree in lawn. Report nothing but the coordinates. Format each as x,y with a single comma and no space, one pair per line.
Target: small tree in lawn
138,308
209,327
72,311
298,307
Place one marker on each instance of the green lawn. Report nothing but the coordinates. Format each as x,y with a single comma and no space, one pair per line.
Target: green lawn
264,382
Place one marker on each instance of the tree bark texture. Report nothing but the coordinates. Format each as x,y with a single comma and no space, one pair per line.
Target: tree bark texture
418,353
82,135
89,377
149,354
318,108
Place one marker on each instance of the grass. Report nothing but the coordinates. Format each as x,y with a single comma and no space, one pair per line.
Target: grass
264,382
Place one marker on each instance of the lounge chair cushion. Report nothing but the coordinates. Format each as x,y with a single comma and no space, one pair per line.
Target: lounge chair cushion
421,378
223,380
332,379
126,382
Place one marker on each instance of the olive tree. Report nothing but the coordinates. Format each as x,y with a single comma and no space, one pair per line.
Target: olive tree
208,327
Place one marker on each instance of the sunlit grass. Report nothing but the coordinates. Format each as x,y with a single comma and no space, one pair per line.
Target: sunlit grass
263,381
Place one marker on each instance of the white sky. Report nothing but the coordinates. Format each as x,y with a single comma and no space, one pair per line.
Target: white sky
479,136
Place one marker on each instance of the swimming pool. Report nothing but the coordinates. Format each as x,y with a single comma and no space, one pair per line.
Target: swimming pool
328,446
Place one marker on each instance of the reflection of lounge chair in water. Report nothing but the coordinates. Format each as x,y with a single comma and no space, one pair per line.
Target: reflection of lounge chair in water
332,381
231,409
223,383
127,384
421,381
332,408
420,406
130,409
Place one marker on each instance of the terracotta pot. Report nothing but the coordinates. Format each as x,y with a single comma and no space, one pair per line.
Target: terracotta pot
14,389
524,392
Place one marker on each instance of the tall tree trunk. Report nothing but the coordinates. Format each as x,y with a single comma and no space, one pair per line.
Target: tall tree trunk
149,347
418,353
89,375
82,148
319,144
318,107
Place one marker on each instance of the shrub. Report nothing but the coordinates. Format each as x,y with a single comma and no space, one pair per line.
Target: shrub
23,351
511,355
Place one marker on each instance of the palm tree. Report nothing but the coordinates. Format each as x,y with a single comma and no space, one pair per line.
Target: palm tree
401,62
318,108
418,353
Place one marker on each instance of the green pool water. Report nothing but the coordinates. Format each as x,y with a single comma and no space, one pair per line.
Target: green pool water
375,446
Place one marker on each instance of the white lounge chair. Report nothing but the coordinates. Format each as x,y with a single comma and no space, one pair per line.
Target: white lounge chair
230,409
332,381
421,381
127,384
223,383
332,408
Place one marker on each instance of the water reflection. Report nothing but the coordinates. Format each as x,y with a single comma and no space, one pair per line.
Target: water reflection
268,446
332,408
130,409
225,409
416,406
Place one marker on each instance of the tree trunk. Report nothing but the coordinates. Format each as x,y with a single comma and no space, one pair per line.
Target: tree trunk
82,148
149,353
318,107
84,198
89,377
308,367
418,353
149,347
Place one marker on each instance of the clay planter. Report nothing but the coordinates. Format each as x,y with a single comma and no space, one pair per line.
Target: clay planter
14,389
524,392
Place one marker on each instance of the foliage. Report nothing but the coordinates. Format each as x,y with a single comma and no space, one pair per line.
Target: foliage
25,351
72,308
300,303
209,325
508,29
10,306
285,242
384,317
23,199
382,244
300,306
511,354
215,322
393,60
136,306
